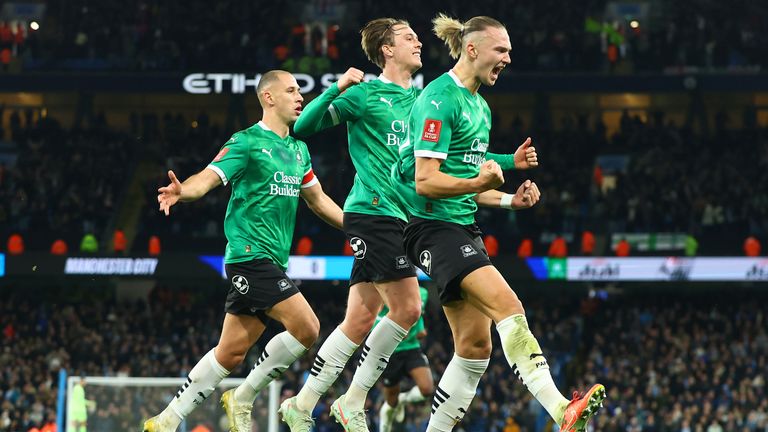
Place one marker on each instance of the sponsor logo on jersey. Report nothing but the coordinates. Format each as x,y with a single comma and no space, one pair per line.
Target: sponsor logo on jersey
358,246
240,283
476,155
285,184
432,130
399,128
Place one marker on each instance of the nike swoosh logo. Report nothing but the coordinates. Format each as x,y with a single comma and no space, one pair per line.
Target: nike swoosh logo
344,420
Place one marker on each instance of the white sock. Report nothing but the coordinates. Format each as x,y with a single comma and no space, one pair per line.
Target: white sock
279,353
527,360
377,350
329,362
411,396
455,392
202,380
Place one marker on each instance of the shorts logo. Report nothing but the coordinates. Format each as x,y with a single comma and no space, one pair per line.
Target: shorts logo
425,258
432,130
283,284
468,250
401,262
240,283
358,247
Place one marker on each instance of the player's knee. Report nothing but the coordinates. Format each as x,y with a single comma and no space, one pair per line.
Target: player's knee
230,357
307,332
473,348
357,326
407,314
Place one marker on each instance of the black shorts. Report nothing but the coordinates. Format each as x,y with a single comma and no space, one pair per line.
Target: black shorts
447,252
255,286
377,244
401,364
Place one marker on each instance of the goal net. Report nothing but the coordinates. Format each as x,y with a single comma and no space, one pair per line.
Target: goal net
123,403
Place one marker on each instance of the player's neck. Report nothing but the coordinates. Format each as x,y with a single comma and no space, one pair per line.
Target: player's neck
275,124
466,75
397,75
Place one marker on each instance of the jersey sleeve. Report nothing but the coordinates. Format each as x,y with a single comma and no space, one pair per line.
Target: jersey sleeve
433,119
505,161
350,105
316,116
309,178
231,160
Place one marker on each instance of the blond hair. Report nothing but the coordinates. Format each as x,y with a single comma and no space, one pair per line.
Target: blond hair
377,33
453,31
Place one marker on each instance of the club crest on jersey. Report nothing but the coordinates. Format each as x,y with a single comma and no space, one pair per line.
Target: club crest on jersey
240,283
283,284
425,258
358,247
468,250
298,156
401,262
432,130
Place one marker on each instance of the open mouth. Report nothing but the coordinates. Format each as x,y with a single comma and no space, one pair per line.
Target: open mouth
496,71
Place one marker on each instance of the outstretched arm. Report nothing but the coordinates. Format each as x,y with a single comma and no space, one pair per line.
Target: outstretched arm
319,114
527,196
193,188
322,205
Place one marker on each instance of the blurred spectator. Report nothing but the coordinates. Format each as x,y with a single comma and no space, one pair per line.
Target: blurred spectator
558,248
118,241
525,249
89,244
752,247
15,244
154,245
59,247
622,248
587,243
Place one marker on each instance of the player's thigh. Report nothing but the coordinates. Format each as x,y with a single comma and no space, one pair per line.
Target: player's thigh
363,305
298,318
488,292
471,330
238,334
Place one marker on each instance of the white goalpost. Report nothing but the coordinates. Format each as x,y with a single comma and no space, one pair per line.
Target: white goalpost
124,402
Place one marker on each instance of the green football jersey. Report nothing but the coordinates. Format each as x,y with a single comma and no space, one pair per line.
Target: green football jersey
447,122
411,341
376,113
267,174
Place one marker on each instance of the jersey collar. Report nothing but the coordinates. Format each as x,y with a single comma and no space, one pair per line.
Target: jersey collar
386,80
455,78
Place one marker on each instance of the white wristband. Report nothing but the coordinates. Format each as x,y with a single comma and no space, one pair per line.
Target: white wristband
506,201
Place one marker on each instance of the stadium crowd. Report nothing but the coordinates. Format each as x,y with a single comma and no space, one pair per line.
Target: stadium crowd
680,362
660,185
584,35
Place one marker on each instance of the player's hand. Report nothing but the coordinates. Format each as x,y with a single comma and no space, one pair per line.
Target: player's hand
527,195
490,176
169,195
351,77
525,156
